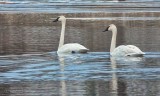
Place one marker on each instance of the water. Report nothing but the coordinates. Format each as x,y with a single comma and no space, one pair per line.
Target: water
89,74
37,34
79,6
27,27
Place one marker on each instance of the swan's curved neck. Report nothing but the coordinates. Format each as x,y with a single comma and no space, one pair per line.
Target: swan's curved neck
113,41
61,41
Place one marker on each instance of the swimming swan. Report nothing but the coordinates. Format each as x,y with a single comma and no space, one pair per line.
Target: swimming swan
122,50
71,47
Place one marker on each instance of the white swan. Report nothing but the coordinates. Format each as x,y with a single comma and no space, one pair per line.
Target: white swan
122,50
71,47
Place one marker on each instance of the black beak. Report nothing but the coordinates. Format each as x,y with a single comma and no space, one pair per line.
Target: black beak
56,19
106,29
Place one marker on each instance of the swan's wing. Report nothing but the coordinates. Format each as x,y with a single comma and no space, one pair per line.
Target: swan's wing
120,51
72,48
135,49
127,50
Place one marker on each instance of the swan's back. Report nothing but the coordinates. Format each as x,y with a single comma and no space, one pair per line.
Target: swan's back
72,48
127,50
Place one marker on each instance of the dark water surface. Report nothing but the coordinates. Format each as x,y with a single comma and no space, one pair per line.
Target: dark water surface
27,26
92,74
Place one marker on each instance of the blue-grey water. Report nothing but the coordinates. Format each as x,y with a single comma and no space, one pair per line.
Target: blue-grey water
92,74
79,6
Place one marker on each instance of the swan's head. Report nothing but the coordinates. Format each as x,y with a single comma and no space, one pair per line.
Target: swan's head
111,27
60,18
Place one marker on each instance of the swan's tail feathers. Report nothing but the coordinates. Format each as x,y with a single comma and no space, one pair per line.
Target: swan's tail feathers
136,55
83,50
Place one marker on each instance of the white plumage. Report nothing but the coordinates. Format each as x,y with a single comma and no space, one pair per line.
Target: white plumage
127,50
122,50
71,47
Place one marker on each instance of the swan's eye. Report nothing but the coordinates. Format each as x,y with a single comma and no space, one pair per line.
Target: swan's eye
73,52
56,19
106,29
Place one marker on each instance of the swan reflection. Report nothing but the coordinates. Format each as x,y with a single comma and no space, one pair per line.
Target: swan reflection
114,65
62,82
114,85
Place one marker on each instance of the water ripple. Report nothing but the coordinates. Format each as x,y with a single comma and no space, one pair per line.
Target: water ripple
95,65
